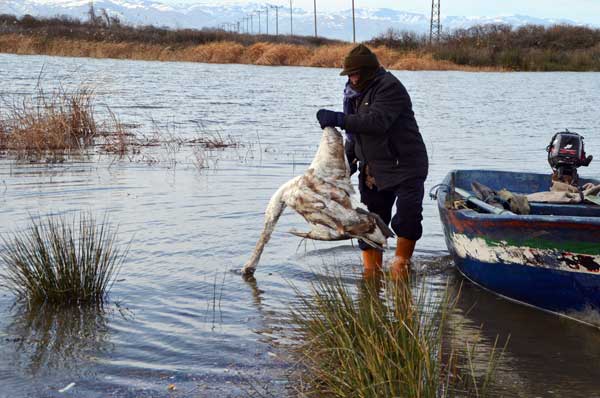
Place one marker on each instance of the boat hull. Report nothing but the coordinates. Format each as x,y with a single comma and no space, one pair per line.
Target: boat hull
551,262
565,292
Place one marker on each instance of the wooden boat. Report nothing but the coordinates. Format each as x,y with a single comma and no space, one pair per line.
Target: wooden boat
548,259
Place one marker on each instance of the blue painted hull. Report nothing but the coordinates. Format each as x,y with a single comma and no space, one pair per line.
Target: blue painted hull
549,259
552,290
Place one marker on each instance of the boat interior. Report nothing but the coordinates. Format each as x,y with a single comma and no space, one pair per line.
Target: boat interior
524,183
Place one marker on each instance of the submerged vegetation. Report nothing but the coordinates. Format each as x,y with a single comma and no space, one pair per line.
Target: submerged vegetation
56,125
483,47
384,343
62,261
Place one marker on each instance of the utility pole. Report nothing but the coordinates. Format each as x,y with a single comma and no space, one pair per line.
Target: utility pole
92,13
291,20
267,11
353,24
276,19
315,2
258,11
435,28
251,24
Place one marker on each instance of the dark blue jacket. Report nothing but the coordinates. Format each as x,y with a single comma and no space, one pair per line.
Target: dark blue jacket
385,133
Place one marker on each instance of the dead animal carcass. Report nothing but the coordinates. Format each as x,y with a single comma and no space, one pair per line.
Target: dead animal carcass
324,196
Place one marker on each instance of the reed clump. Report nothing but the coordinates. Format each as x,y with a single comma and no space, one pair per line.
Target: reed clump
62,261
381,344
43,123
48,125
223,52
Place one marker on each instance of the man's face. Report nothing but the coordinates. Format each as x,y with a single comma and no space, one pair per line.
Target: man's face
354,78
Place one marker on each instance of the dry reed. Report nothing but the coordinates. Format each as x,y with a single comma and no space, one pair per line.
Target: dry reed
480,47
261,53
62,121
48,125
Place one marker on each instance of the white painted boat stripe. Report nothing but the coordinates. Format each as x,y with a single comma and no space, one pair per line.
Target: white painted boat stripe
501,252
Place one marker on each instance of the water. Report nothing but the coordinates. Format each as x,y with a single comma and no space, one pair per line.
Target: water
178,315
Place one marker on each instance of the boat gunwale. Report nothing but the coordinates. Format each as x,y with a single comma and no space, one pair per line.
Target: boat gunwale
472,215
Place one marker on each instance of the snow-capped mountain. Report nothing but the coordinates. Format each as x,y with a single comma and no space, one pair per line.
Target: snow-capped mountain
337,25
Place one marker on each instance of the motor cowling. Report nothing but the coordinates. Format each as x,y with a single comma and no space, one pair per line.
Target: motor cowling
566,153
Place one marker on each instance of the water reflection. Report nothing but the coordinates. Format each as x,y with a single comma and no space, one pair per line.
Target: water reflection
47,338
539,343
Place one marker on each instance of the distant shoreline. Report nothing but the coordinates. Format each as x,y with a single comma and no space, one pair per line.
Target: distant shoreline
224,52
479,48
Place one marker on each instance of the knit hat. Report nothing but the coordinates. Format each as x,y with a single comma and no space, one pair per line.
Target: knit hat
359,58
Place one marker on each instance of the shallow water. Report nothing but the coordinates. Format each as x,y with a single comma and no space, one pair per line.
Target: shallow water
177,314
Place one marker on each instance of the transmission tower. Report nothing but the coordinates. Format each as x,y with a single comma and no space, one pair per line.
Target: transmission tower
435,28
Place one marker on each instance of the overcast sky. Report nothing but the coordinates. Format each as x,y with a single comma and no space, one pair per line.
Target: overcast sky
586,11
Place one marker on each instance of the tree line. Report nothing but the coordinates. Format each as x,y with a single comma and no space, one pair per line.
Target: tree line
527,48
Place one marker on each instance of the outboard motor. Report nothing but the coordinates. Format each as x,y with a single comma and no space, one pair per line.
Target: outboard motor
566,153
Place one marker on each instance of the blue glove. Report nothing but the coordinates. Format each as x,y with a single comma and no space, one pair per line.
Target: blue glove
329,118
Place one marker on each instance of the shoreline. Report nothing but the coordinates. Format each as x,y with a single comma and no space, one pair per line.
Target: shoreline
226,52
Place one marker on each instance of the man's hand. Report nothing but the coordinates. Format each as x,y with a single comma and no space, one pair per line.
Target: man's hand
329,118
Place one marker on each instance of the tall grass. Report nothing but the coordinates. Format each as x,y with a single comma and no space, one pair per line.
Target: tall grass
62,261
48,125
226,52
62,120
383,344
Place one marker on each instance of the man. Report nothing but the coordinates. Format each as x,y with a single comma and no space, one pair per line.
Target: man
382,134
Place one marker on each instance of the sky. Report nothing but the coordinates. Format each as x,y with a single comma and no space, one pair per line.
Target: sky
585,11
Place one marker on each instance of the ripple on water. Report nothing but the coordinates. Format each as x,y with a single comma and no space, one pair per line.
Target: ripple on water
183,317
